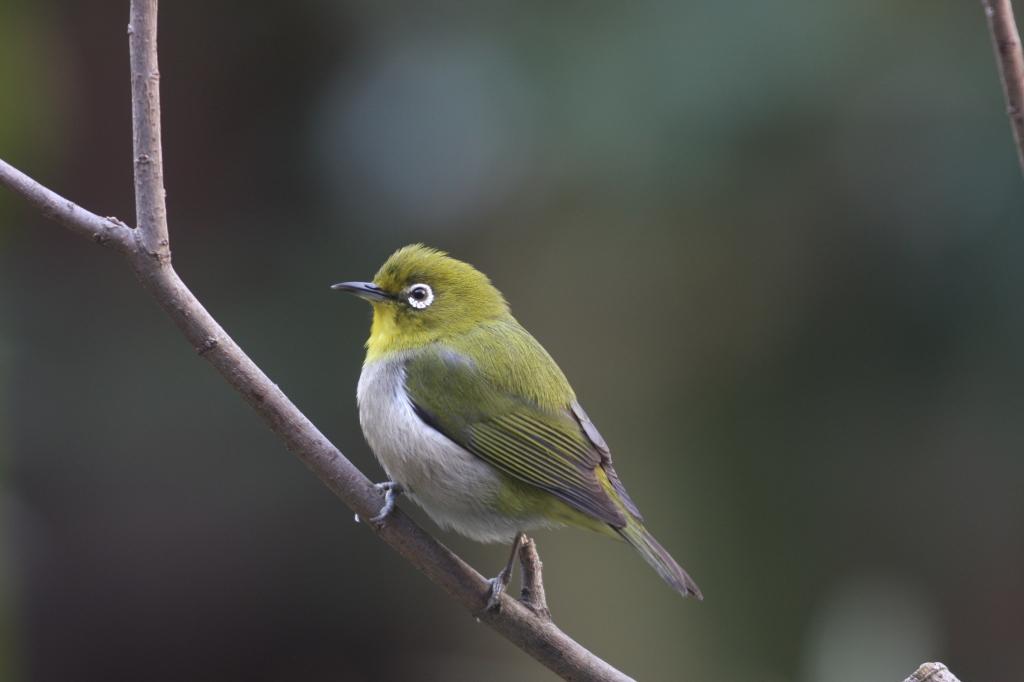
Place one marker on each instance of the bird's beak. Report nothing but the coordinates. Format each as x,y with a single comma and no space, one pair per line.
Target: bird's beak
365,290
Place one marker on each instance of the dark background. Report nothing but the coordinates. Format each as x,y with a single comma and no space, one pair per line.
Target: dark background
777,248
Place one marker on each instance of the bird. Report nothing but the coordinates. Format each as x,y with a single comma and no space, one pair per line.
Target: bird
473,420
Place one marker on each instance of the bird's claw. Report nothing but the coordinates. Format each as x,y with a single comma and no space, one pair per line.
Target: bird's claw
391,492
500,581
498,585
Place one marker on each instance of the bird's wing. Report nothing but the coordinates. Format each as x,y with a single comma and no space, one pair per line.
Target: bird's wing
554,449
595,438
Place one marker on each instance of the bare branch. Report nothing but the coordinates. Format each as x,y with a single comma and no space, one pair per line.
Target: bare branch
106,231
147,251
1006,41
150,202
932,672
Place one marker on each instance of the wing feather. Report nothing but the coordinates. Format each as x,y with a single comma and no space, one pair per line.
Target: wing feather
551,449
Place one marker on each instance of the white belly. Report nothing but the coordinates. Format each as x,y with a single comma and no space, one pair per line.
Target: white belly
456,488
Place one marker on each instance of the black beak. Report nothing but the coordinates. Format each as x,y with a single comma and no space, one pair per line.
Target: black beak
365,290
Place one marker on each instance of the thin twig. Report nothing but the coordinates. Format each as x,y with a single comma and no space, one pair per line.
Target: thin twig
147,251
1010,59
533,580
150,197
107,231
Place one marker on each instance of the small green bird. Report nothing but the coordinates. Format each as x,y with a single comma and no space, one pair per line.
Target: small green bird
472,419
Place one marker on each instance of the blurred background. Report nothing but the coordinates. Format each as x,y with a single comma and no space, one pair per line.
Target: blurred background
776,247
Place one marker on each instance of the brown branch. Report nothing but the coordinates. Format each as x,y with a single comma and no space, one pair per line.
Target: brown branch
932,672
150,197
533,580
1010,60
107,231
147,250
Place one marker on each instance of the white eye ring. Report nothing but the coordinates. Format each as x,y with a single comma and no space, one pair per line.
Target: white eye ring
420,296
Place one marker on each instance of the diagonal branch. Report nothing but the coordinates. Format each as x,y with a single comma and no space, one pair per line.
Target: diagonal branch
1006,41
147,251
107,231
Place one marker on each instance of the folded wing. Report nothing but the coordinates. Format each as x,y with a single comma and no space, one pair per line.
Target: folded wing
552,447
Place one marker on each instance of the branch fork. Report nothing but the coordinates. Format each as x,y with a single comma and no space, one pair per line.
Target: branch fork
526,624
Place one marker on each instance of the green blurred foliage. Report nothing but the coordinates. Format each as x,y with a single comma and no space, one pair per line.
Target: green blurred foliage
31,108
28,123
776,247
10,640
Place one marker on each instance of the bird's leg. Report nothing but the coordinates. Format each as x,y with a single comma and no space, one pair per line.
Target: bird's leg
500,581
391,492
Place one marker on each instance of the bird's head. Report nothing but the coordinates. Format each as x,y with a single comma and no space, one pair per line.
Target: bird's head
421,295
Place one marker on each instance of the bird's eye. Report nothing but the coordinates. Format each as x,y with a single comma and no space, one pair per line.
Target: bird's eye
420,296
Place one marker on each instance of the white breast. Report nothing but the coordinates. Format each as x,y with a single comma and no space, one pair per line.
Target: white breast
456,488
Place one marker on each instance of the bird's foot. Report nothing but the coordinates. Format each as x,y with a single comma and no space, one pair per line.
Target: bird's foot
498,585
500,582
391,492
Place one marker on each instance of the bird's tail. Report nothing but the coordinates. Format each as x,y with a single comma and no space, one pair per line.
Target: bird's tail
661,561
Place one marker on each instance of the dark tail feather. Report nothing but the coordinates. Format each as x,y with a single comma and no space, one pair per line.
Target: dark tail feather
653,553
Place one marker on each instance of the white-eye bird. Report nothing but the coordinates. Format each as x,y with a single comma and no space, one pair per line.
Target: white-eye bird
473,420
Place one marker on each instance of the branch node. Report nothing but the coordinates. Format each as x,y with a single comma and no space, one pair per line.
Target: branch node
208,344
162,256
116,222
